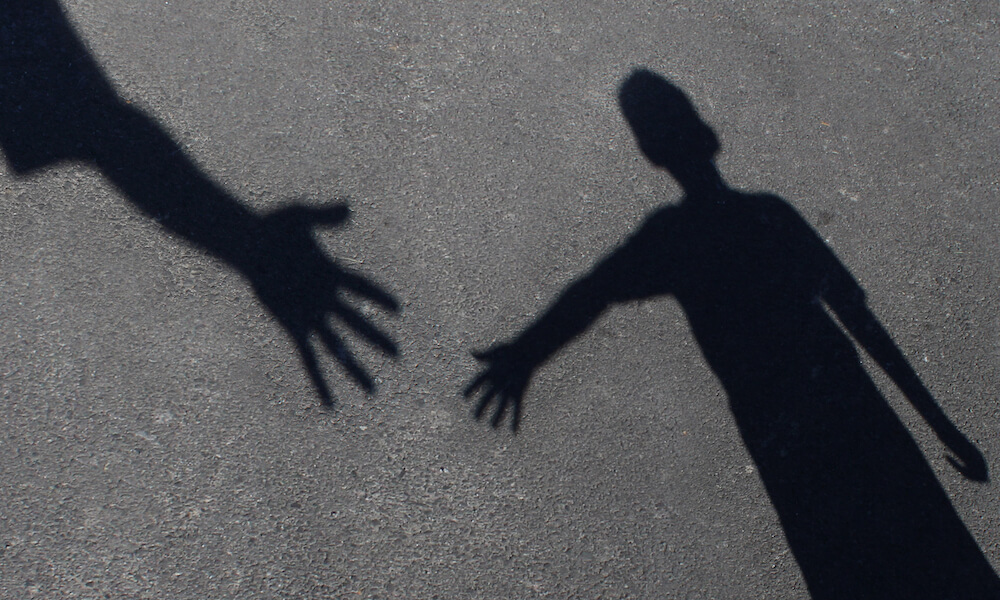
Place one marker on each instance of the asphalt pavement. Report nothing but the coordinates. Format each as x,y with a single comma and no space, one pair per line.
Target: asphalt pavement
248,250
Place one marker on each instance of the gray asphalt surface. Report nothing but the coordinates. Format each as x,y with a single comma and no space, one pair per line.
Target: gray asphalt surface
160,438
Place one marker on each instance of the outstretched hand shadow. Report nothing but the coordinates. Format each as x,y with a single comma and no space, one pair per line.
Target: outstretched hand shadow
303,288
56,105
501,382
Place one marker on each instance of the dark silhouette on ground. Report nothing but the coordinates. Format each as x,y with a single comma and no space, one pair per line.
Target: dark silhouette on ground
56,105
861,508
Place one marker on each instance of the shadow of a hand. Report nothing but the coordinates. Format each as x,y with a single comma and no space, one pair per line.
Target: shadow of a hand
503,382
304,289
967,459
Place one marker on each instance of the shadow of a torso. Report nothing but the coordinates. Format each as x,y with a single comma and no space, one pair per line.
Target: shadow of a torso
862,510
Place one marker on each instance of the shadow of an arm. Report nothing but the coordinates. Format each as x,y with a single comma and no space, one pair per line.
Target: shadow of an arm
56,105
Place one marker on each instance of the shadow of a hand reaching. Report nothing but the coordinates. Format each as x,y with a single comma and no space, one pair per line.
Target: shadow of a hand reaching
304,289
57,105
501,383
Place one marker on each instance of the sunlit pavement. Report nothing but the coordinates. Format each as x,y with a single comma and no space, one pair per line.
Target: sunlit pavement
164,434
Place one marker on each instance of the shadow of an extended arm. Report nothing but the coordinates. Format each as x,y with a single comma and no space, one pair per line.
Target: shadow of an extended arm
508,367
56,105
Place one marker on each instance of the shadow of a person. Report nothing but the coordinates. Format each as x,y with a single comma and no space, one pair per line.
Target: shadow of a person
861,509
56,105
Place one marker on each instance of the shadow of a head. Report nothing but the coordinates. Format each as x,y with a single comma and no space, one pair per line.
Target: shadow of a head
665,123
